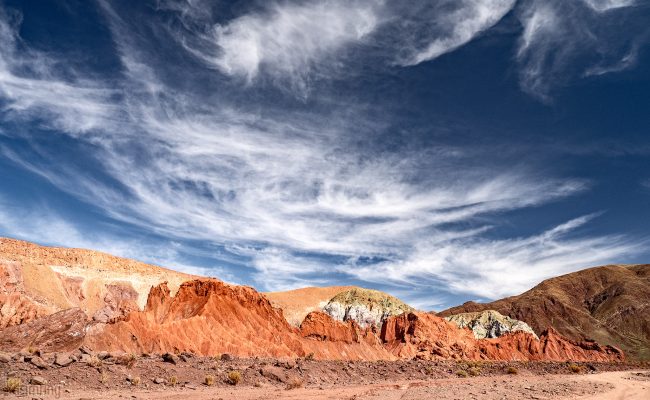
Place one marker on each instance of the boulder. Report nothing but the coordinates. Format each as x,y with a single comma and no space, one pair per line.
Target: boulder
39,362
63,359
37,380
170,358
274,373
4,357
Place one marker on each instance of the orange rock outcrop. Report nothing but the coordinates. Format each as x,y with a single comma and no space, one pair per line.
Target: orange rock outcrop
210,317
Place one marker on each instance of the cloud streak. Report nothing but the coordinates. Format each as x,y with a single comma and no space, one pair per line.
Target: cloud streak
561,41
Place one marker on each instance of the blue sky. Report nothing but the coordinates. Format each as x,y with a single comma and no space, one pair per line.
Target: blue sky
442,151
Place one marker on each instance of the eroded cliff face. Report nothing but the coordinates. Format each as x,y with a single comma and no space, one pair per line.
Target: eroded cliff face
427,336
210,317
36,281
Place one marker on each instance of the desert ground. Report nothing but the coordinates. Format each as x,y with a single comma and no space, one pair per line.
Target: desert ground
224,378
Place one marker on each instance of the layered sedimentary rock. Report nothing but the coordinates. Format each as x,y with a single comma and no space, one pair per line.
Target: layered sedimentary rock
489,324
37,281
366,307
609,304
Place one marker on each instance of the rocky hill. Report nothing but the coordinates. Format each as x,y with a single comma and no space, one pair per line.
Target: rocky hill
489,324
36,281
610,304
209,317
366,307
296,304
80,298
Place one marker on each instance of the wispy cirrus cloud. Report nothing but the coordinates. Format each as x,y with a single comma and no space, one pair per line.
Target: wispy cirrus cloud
493,269
290,39
446,26
562,41
31,89
292,192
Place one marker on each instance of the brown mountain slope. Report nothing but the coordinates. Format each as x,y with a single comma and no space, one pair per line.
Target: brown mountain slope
36,281
610,304
296,304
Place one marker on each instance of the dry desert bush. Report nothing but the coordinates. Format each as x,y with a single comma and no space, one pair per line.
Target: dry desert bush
234,377
12,385
295,383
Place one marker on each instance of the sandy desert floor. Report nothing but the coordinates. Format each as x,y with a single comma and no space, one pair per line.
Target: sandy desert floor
151,377
628,385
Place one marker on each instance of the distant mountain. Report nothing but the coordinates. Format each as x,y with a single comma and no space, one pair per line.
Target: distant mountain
610,304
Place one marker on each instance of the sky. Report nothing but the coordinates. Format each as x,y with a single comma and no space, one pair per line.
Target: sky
441,151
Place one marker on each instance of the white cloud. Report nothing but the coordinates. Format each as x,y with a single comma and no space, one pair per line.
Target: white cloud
287,40
498,268
31,90
606,5
456,28
560,42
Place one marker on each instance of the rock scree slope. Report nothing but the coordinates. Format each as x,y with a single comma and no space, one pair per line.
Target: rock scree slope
609,304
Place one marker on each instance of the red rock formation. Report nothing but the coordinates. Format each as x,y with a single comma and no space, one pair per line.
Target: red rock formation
205,317
427,336
210,317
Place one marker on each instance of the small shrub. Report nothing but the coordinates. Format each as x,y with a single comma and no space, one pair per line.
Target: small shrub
128,360
32,350
474,371
234,377
512,371
135,381
209,380
12,385
95,362
295,383
461,373
428,370
103,377
575,368
309,357
172,380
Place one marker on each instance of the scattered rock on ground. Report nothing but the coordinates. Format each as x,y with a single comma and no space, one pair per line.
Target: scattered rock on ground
38,380
170,358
